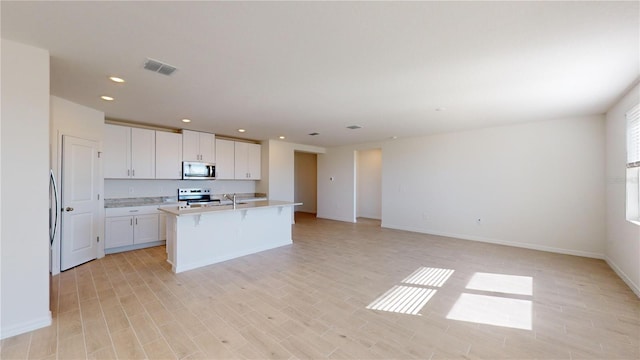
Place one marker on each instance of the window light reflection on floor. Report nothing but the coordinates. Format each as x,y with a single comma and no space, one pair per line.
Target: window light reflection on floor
510,284
403,299
427,276
492,310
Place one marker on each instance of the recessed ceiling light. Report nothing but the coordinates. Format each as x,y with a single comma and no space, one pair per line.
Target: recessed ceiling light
282,137
241,130
186,120
393,137
116,79
441,109
106,98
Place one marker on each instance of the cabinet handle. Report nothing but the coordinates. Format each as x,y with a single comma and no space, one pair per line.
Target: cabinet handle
131,222
136,221
128,172
133,172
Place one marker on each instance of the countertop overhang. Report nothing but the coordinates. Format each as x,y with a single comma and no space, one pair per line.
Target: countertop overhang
175,210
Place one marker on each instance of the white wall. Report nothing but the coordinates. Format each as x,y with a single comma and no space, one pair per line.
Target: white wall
124,188
623,237
68,118
537,185
278,175
369,183
24,148
306,181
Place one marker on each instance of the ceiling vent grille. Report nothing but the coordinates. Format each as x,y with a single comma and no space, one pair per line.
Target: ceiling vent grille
159,67
354,127
314,134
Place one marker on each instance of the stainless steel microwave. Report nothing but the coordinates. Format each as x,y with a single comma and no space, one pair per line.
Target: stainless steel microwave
193,170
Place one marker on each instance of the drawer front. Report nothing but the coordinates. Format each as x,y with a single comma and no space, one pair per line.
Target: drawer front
132,211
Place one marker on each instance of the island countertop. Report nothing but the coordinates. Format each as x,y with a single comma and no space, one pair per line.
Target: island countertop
175,210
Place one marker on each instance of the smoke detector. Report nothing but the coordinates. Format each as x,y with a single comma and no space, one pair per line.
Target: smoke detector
159,67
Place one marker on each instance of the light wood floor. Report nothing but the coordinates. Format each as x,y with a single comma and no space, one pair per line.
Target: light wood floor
313,299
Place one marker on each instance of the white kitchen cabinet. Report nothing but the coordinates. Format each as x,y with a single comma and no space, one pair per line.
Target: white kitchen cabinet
168,155
145,228
225,159
118,231
247,161
129,153
198,146
129,228
117,152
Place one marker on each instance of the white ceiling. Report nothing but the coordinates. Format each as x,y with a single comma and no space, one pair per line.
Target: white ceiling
292,68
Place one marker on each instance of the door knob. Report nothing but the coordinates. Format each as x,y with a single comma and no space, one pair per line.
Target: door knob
68,209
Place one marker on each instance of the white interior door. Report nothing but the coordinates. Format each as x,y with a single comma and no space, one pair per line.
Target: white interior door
80,184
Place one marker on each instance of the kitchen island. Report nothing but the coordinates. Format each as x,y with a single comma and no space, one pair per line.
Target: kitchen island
201,236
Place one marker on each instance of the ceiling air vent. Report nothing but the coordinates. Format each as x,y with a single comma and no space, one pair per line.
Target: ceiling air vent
354,127
159,67
314,134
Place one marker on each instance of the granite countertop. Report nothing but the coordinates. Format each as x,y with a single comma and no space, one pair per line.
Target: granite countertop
176,210
169,200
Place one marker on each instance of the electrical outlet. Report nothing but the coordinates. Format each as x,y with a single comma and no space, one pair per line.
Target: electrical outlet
479,221
130,190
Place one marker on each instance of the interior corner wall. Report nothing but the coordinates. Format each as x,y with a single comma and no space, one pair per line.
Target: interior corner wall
369,184
24,148
623,237
281,168
336,184
537,185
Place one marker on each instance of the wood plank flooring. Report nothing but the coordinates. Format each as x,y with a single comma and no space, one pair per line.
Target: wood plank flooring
342,291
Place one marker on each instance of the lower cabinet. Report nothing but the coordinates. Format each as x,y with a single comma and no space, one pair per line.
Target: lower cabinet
132,226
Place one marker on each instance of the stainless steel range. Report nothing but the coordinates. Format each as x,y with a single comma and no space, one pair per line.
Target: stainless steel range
196,198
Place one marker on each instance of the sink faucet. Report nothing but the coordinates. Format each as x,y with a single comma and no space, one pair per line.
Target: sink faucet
232,198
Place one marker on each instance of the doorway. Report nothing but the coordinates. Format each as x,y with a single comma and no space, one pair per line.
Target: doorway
369,184
306,181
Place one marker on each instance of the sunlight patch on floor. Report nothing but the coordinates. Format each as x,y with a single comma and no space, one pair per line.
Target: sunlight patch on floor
492,310
427,276
510,284
403,299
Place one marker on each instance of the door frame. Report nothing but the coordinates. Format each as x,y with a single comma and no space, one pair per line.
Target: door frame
56,166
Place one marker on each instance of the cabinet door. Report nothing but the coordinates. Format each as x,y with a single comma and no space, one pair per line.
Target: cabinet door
190,145
162,227
225,155
145,228
168,155
207,147
117,152
118,231
253,161
143,153
241,153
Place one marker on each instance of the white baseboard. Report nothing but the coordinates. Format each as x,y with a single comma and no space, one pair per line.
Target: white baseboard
26,327
499,242
335,218
634,287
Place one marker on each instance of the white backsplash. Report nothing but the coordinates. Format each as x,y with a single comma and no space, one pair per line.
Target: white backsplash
116,189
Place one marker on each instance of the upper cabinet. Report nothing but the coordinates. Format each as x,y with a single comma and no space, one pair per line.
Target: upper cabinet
225,167
198,146
247,161
129,153
168,155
